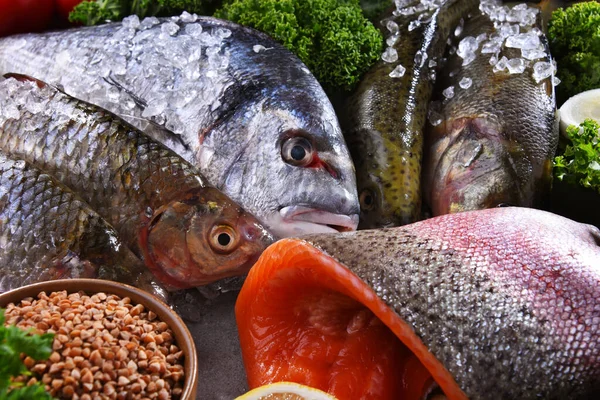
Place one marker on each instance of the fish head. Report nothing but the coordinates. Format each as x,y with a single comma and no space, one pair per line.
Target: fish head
295,173
477,167
201,238
378,161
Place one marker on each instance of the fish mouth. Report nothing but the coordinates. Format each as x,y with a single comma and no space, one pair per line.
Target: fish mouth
305,220
304,317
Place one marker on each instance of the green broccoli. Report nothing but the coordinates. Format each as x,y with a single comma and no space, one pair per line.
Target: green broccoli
580,161
100,11
574,35
332,37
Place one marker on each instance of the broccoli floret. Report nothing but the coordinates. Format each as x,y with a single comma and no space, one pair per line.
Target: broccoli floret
574,35
332,37
99,11
580,161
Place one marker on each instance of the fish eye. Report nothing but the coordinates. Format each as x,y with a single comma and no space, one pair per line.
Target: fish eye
223,239
367,200
297,151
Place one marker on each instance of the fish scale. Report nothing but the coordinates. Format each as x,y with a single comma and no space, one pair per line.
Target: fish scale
162,207
47,232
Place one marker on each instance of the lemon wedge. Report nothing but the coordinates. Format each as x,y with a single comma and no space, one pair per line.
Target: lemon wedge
285,391
579,107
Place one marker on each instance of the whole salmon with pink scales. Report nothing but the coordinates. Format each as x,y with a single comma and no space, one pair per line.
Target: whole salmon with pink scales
501,303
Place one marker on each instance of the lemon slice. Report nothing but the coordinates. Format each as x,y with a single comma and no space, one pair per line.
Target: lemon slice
286,391
579,107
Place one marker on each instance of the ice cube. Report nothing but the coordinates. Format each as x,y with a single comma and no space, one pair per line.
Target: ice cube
391,40
186,17
257,48
392,27
527,41
390,55
194,30
467,45
516,65
501,65
533,54
542,70
491,47
448,93
132,22
149,22
465,83
432,63
169,28
555,81
459,29
414,24
398,72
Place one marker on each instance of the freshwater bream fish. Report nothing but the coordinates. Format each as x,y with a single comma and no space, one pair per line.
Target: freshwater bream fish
497,131
492,304
227,98
188,233
47,232
387,114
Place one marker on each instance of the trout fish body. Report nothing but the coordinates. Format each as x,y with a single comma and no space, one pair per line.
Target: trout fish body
386,115
228,99
497,137
492,304
188,233
47,232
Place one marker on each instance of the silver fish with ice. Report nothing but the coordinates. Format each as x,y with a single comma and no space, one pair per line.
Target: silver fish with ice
227,98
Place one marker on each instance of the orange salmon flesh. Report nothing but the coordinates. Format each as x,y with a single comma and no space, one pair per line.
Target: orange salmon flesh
303,317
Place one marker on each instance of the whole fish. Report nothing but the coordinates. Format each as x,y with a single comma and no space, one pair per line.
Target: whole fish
188,233
496,136
492,304
47,232
387,113
227,98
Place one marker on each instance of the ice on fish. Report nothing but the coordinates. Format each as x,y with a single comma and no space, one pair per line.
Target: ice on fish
459,28
390,55
526,41
414,24
465,83
448,93
467,48
542,70
398,72
501,65
516,66
420,58
391,40
186,17
533,54
392,27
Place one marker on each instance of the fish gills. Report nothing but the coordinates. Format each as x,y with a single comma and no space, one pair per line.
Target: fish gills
499,303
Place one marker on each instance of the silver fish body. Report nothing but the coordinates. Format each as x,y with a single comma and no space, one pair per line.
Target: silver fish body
47,232
227,98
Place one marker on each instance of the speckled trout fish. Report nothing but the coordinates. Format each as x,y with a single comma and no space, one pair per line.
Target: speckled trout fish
498,128
227,98
47,232
387,113
494,304
188,233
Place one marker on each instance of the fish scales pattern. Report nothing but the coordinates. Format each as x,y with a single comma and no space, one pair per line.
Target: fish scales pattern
47,232
113,167
491,299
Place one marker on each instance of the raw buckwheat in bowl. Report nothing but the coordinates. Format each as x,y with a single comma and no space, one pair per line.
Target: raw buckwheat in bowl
111,341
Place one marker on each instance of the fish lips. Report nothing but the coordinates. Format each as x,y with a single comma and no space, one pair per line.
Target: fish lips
299,219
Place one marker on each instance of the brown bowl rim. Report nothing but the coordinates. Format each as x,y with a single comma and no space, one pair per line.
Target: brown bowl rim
165,313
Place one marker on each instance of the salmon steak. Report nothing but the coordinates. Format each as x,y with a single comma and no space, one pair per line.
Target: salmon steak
501,303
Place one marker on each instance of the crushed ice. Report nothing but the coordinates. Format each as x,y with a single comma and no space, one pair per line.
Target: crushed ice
398,72
390,55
